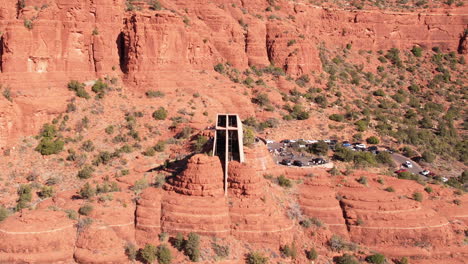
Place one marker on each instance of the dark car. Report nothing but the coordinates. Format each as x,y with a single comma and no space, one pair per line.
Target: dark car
318,161
286,162
372,149
298,163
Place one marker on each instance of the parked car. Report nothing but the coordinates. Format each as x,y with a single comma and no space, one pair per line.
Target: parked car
373,149
425,173
408,164
400,171
286,162
318,161
285,141
298,163
359,145
347,145
269,141
444,179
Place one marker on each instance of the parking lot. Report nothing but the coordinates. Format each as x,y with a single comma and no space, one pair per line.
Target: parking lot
292,153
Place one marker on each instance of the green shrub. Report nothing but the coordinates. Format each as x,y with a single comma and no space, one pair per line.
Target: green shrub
131,251
428,189
303,80
85,209
418,196
28,24
389,189
312,254
87,146
163,254
99,87
149,152
284,182
346,259
86,172
109,130
417,51
364,159
154,94
148,253
48,146
403,260
363,180
155,5
200,143
289,251
428,156
46,192
79,89
372,140
160,114
376,259
256,258
160,146
4,213
192,247
178,242
261,99
219,68
336,117
379,92
384,157
319,148
249,136
24,196
87,191
220,250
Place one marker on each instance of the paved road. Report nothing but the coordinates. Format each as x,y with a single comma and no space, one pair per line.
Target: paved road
400,159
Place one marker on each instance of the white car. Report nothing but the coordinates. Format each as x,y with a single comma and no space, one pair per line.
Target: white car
269,141
361,146
408,164
425,172
444,179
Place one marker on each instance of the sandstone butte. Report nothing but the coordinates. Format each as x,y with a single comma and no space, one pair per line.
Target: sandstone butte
173,50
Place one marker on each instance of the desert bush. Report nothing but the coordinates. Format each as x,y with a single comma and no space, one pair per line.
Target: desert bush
79,89
159,180
311,254
154,94
86,172
87,146
99,87
46,192
418,196
219,68
417,51
303,80
85,209
336,243
192,247
163,254
200,143
148,253
160,146
256,258
220,250
403,260
160,114
376,259
428,156
24,196
4,213
289,251
346,259
131,251
87,191
363,180
284,182
140,185
249,136
109,130
384,157
178,242
336,117
49,146
373,140
428,189
261,99
319,148
379,92
389,189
